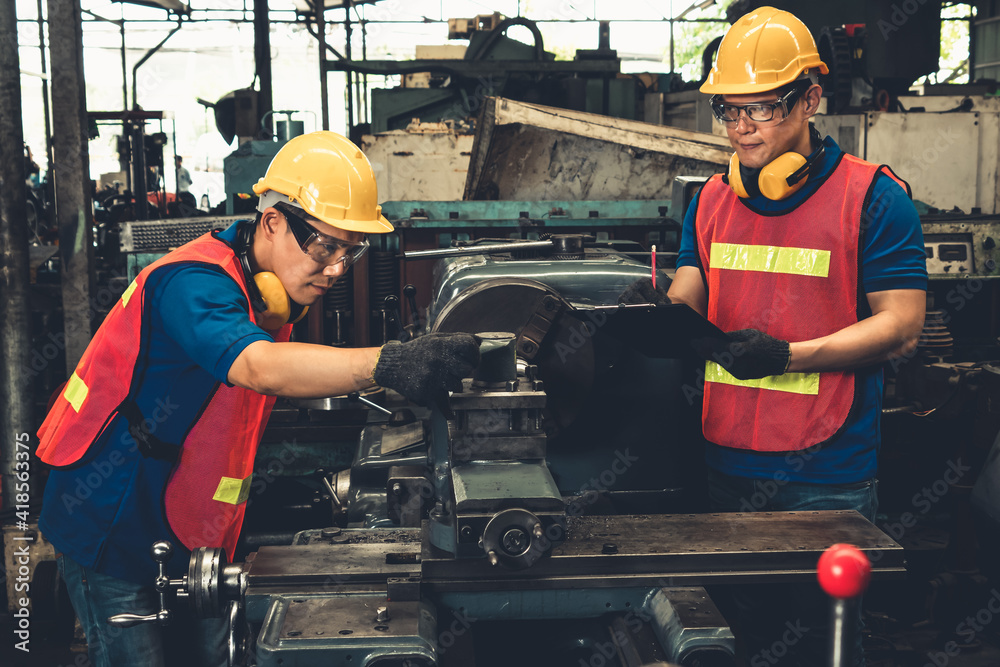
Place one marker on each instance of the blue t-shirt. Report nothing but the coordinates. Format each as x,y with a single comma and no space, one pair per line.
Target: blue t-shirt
892,258
106,512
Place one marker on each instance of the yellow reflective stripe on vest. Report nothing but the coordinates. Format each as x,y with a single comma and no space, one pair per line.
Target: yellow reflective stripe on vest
127,294
771,259
795,383
233,491
76,391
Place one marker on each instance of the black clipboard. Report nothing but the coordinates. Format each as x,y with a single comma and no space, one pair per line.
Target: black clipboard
660,332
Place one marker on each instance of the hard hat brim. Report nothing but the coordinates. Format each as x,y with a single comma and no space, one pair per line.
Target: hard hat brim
754,88
379,225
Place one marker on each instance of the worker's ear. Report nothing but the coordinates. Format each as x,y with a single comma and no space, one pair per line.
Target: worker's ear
811,99
270,223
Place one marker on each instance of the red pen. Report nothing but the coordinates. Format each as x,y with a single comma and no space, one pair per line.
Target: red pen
653,262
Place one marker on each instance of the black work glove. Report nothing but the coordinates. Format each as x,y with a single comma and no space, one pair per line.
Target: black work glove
426,368
642,291
749,354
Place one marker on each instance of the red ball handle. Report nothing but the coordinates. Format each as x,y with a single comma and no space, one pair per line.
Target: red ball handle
843,571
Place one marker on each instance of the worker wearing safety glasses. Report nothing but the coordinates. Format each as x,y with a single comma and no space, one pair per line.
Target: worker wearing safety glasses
812,261
153,436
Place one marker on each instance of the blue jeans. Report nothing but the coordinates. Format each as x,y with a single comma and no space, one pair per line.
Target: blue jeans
788,624
187,641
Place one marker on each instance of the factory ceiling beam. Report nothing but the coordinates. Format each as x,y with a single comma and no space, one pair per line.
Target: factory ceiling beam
170,5
74,215
15,386
310,6
476,68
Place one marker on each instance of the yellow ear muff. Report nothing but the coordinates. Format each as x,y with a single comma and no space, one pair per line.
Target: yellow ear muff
773,178
279,306
735,180
275,298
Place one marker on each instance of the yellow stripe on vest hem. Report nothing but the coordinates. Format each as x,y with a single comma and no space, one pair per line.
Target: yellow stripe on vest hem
233,491
76,391
127,294
795,383
771,259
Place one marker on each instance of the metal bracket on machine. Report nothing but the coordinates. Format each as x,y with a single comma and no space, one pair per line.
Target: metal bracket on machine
537,327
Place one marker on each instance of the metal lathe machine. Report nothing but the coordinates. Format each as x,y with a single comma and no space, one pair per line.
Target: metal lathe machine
537,518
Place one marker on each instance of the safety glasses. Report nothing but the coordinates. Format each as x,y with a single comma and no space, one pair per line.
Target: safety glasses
758,112
322,248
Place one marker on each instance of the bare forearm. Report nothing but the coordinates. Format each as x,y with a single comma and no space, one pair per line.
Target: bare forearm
688,288
302,370
872,341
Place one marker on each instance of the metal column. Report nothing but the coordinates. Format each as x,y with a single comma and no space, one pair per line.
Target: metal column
74,214
262,60
347,73
140,176
15,378
43,59
324,85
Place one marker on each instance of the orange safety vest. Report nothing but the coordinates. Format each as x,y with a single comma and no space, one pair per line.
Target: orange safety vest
794,276
206,492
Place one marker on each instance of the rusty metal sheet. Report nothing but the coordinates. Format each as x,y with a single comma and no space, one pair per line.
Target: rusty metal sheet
530,151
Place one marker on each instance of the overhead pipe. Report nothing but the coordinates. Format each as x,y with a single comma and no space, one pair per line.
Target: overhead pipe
142,61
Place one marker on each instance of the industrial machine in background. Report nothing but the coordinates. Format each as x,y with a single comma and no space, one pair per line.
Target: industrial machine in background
137,191
259,133
451,82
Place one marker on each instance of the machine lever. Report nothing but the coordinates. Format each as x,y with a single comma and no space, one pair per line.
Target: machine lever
843,572
477,249
161,552
128,620
356,396
391,307
410,294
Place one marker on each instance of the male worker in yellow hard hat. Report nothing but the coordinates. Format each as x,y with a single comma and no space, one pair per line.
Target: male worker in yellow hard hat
154,435
813,261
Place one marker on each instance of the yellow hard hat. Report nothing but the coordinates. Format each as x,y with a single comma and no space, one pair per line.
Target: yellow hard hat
763,50
328,177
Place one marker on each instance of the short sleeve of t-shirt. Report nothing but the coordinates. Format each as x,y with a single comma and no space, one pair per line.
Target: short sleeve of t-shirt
687,253
205,312
893,256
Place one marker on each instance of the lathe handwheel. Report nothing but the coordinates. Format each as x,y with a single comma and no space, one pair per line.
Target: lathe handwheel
204,580
514,538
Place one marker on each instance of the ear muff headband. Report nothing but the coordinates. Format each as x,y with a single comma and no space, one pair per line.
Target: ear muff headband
268,297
